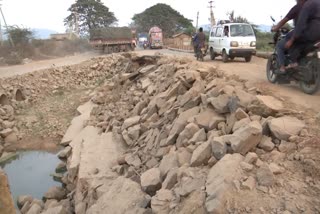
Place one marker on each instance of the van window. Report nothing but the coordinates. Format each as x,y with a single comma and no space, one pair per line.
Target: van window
213,32
241,30
219,32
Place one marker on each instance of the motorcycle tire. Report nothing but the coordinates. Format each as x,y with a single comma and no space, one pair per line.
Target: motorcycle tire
311,88
271,66
212,54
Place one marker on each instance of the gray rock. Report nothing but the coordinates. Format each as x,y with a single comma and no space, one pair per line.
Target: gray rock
56,210
265,176
162,201
194,203
245,98
130,122
251,158
22,199
241,114
246,138
57,193
220,103
246,166
25,207
219,186
199,136
219,147
168,162
249,184
133,160
276,169
151,181
5,132
266,144
212,161
64,154
208,119
184,156
34,209
265,106
171,179
62,167
284,127
201,155
241,123
152,163
187,134
287,147
139,107
11,139
134,132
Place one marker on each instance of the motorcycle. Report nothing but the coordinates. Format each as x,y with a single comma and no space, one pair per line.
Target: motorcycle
307,74
201,53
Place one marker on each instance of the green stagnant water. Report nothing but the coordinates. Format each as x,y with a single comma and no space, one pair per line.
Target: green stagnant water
29,173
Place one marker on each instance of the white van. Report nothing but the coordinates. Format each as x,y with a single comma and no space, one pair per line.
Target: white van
231,40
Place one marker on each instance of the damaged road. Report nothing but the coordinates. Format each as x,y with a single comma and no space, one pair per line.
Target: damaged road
161,134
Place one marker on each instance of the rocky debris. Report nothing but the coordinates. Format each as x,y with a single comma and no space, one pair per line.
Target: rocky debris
201,155
266,144
246,138
285,127
64,154
151,181
163,201
219,185
249,184
171,179
56,210
168,162
219,147
265,176
34,209
266,106
176,123
22,199
57,193
62,167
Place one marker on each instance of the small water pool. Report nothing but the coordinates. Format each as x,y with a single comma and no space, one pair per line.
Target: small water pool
29,173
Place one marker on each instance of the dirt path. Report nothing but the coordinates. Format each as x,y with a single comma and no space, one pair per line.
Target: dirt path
8,71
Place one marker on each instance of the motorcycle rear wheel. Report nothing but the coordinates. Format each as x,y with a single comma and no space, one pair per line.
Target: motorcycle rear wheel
313,86
271,66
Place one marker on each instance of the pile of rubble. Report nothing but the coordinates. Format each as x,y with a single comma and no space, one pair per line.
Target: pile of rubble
185,140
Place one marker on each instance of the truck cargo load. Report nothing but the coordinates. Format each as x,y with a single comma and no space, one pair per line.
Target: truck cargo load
112,39
155,37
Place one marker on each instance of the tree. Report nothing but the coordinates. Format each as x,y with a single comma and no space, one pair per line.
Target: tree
88,15
163,16
19,35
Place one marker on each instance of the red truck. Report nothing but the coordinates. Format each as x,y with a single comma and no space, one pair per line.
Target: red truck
155,37
113,39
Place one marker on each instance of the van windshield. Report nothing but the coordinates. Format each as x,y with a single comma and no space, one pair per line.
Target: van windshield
241,30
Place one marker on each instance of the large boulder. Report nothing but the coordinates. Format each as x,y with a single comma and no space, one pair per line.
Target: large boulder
246,138
220,186
151,181
284,127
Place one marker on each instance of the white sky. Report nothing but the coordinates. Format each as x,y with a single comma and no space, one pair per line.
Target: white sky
50,14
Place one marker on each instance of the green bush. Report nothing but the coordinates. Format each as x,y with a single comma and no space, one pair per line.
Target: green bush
263,38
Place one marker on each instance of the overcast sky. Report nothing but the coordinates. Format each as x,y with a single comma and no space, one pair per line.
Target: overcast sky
49,14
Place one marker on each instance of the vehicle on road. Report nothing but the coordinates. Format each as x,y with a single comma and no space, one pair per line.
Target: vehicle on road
231,40
155,38
113,39
307,74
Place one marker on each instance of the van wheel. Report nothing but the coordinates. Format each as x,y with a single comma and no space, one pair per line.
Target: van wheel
212,54
248,58
224,56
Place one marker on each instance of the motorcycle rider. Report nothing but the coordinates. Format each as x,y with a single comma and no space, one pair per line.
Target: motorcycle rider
199,41
306,31
293,14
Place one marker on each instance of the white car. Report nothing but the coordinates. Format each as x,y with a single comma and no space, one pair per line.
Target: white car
231,40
